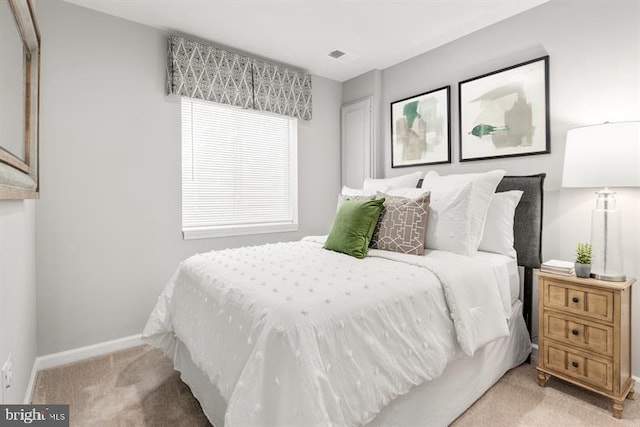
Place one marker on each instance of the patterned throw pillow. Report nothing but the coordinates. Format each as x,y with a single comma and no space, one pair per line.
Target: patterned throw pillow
402,224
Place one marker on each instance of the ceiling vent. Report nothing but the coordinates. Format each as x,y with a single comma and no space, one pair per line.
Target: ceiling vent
335,54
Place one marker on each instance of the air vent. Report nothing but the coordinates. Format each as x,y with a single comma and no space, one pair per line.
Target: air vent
336,54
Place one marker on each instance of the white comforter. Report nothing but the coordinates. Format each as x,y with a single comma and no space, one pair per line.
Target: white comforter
295,335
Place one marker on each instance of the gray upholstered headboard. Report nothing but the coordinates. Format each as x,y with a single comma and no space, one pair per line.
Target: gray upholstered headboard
527,224
527,232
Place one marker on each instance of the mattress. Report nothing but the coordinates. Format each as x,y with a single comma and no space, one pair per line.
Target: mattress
506,270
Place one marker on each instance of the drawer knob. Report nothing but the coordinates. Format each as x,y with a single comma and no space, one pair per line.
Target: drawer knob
575,364
575,299
575,332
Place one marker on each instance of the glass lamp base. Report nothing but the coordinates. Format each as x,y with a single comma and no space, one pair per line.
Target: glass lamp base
606,239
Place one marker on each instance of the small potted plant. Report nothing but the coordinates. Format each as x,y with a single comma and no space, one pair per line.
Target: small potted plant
583,260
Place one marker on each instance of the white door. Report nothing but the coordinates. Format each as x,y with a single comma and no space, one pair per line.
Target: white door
357,143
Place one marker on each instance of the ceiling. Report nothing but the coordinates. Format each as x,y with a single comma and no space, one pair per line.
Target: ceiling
375,34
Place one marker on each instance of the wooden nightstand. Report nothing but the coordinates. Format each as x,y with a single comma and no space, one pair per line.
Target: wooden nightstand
585,335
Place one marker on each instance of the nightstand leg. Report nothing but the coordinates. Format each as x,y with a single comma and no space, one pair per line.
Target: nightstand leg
617,408
542,378
632,393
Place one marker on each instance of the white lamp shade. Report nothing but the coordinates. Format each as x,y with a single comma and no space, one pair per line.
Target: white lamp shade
606,155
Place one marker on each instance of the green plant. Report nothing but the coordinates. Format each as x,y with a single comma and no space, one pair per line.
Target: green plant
583,253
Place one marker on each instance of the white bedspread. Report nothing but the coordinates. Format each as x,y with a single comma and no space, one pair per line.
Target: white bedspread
296,335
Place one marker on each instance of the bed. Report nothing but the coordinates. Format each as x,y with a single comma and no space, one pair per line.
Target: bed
292,334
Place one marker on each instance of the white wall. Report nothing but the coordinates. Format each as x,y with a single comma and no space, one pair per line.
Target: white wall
17,287
594,50
359,87
108,220
17,293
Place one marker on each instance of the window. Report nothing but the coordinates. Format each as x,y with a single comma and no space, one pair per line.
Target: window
239,171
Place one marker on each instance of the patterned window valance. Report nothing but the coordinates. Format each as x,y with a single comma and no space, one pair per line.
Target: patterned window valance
281,90
205,72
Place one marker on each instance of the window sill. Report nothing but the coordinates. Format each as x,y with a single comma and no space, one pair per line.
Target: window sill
235,230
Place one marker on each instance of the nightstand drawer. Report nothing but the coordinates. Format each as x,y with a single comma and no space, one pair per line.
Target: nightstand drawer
581,333
594,303
595,371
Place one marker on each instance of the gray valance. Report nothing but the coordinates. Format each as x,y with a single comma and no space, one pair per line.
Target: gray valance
281,90
205,72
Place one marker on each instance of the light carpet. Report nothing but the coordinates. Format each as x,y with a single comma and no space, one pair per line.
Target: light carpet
138,387
132,387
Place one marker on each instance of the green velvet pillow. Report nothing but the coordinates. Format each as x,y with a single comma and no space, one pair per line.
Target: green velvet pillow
353,226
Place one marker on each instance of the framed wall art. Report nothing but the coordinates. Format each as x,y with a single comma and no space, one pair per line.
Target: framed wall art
19,85
505,113
420,129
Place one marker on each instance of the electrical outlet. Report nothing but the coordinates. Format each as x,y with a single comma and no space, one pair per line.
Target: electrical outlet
7,373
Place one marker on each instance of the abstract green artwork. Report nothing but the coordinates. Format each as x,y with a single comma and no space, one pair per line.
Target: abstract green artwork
505,113
420,129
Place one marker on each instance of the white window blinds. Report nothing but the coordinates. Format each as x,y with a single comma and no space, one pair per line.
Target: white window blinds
239,171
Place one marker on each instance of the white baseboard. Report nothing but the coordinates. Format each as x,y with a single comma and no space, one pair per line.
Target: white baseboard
77,354
31,384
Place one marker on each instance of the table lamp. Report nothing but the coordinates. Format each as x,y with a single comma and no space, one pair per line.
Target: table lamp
606,155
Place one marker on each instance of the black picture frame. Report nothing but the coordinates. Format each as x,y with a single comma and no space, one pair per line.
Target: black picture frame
505,113
421,129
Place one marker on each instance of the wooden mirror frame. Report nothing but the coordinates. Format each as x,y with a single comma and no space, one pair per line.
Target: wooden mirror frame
18,177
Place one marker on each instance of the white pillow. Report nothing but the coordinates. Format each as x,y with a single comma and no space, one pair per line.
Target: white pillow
409,193
448,225
385,184
357,192
482,188
498,229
